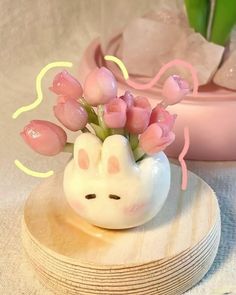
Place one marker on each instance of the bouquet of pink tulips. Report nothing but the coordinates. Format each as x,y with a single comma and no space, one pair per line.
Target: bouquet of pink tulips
96,108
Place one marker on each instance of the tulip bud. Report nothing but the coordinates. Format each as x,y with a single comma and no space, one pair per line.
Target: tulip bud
153,140
162,117
138,115
65,84
115,113
44,137
71,114
100,87
174,90
128,98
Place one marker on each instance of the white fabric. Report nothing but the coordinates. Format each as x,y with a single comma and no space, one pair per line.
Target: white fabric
34,33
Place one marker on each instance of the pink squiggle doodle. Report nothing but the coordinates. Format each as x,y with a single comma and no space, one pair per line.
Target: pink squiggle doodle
150,84
153,81
181,158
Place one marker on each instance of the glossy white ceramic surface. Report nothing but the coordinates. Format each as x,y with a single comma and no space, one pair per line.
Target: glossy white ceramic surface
108,188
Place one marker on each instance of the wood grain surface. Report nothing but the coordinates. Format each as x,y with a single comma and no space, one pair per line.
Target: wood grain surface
167,255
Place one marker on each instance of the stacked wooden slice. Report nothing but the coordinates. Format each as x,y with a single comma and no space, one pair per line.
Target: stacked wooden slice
168,255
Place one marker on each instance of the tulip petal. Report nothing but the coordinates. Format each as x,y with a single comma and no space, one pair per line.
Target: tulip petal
174,90
163,118
71,114
100,87
115,113
128,98
163,144
142,102
138,115
44,137
137,120
66,84
153,139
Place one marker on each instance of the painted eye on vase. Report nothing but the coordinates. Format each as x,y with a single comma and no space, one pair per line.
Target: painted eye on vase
90,196
114,197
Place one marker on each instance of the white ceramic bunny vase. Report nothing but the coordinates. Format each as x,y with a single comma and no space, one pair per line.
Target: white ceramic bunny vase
105,185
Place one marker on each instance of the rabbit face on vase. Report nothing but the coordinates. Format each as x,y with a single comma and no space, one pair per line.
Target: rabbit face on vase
106,187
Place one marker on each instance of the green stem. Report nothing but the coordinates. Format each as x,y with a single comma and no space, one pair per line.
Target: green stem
85,130
92,116
101,122
138,153
120,131
140,159
133,138
68,148
100,117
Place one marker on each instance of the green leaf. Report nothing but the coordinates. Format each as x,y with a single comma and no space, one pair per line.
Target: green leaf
99,131
223,21
198,14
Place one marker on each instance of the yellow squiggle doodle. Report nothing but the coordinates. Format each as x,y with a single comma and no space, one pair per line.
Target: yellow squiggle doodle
31,172
38,87
33,106
119,63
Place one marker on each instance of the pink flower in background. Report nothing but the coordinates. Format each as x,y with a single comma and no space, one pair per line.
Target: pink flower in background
128,98
174,90
70,113
65,84
44,137
138,115
153,140
115,113
100,87
163,118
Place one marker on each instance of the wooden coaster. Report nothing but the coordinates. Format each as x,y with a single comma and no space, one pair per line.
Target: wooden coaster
171,252
204,259
177,287
49,263
200,263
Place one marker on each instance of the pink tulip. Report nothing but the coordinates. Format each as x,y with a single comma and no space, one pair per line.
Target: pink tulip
44,137
163,118
62,98
138,115
128,98
71,114
115,113
153,139
65,84
174,90
100,87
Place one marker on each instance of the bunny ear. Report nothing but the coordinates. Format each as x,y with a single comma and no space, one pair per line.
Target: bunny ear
117,156
87,152
113,165
83,159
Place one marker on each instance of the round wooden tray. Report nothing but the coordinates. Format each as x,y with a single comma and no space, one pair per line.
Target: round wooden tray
167,255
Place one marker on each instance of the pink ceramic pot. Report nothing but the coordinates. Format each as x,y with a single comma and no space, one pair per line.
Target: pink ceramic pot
211,116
